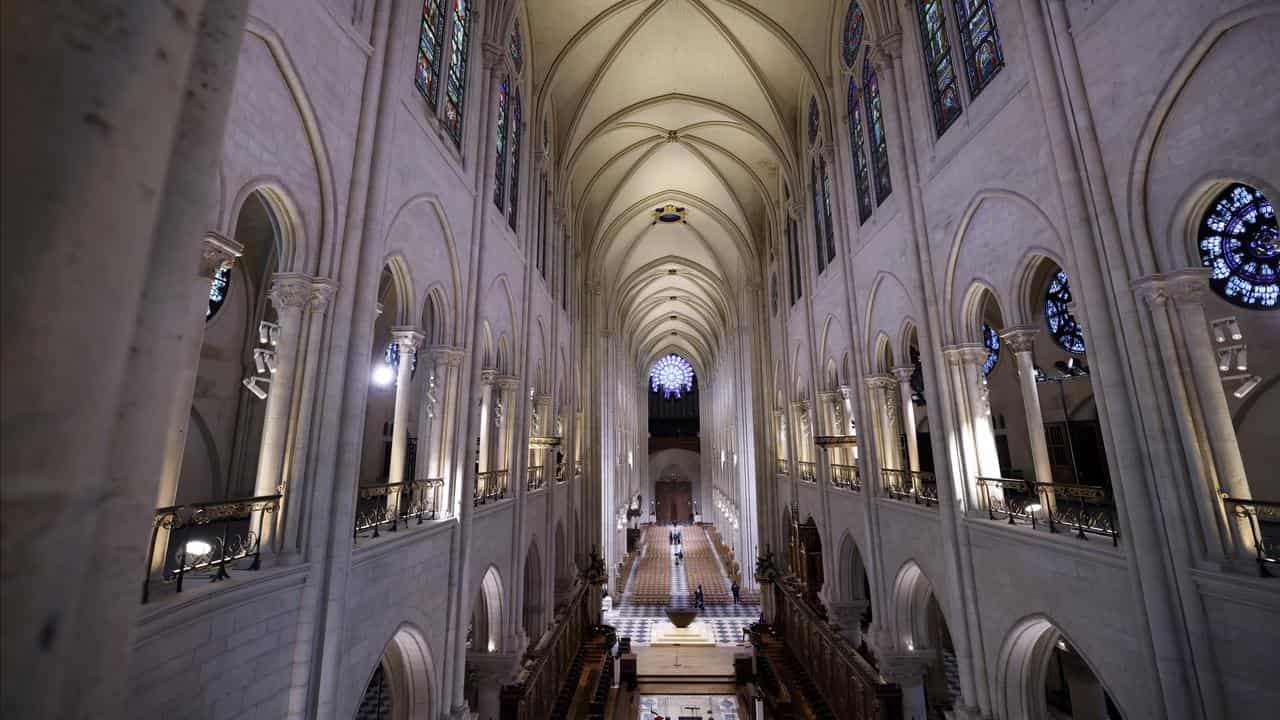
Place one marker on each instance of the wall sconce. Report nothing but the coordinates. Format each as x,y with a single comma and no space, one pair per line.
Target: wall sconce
1247,386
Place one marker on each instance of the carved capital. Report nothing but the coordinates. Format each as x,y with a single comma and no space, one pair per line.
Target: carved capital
507,382
904,373
493,55
408,338
218,253
795,209
906,669
487,376
1188,286
965,354
880,382
887,50
290,290
322,292
1020,338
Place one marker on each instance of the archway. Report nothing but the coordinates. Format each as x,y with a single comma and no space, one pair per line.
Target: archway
1041,674
854,608
401,685
486,629
533,596
920,629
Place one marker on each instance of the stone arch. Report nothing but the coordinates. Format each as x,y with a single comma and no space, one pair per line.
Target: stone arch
534,601
1022,669
435,317
398,278
854,579
981,304
882,353
409,674
912,591
487,621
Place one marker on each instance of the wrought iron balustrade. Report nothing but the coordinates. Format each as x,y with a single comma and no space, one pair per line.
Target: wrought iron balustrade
1263,518
782,467
909,486
491,486
807,471
207,538
536,477
392,503
846,476
1084,509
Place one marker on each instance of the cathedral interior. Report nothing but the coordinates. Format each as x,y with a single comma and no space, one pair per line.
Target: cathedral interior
640,359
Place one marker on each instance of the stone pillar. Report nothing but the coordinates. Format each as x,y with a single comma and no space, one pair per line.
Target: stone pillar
407,338
903,374
290,294
971,357
1021,340
908,672
883,393
848,615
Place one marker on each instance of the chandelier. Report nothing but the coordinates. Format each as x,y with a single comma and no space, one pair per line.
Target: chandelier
672,375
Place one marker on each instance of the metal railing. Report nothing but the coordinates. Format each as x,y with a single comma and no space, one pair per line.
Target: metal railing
1086,509
207,538
390,503
914,486
1263,518
846,476
491,486
807,471
536,478
782,467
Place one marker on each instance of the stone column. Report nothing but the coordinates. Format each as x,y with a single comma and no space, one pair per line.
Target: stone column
882,390
1021,340
408,339
971,357
903,374
290,294
908,671
848,615
487,398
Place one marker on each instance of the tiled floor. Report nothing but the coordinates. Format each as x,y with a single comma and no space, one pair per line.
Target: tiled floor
727,621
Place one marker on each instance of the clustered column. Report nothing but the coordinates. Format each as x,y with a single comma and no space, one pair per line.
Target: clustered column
407,340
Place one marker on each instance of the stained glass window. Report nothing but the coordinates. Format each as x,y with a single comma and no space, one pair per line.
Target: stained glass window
813,119
991,340
516,48
516,131
937,59
875,131
456,87
853,27
861,181
1240,244
819,236
430,50
218,291
825,177
979,42
500,165
672,375
1057,314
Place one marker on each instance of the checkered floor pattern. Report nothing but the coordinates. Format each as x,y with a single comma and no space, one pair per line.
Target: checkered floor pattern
726,620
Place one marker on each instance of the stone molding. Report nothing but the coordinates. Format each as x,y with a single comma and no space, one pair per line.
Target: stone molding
880,381
904,373
1184,287
217,253
965,354
290,290
1020,338
322,292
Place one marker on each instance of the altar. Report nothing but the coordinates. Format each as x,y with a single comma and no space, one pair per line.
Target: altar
663,632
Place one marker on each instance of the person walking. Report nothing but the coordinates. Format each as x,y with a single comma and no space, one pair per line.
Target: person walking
737,598
699,601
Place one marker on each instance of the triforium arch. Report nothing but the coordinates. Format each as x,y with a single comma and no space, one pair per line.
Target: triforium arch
402,685
1040,673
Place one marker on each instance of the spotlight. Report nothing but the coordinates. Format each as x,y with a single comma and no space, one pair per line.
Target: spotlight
1233,327
1242,362
198,547
259,361
268,333
1224,360
383,375
1034,507
1219,335
1247,386
251,384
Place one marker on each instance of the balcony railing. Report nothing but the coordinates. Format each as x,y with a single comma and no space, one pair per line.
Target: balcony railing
491,486
846,477
1263,518
534,692
808,471
1085,509
206,539
782,467
910,486
537,477
392,503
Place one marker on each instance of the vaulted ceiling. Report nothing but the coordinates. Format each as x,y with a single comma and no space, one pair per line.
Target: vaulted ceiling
692,103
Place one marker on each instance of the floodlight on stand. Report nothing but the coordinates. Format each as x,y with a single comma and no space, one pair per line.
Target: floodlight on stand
1242,361
1247,386
383,375
1034,507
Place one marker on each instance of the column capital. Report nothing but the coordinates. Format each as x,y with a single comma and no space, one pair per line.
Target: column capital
794,208
492,55
507,382
488,376
965,354
290,290
1182,287
322,292
218,252
905,669
408,337
879,381
904,373
1020,338
884,52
